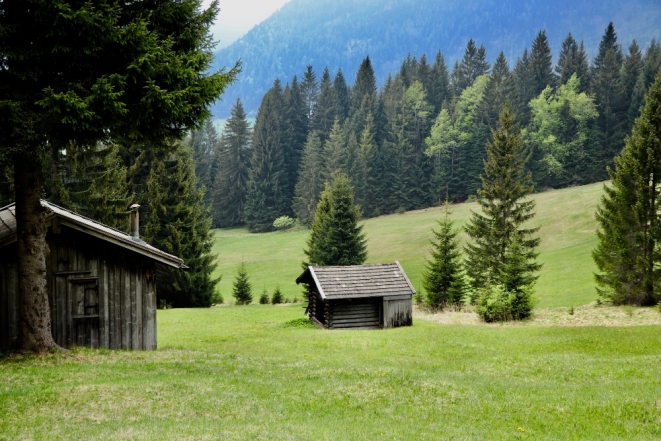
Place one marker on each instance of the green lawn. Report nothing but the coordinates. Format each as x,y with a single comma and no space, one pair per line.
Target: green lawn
237,373
566,218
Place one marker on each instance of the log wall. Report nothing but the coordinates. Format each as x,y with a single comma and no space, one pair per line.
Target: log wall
100,295
362,313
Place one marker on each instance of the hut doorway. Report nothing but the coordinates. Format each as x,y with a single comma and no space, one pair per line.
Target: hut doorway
84,293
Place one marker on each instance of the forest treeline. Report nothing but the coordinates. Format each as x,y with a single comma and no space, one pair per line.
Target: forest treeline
420,139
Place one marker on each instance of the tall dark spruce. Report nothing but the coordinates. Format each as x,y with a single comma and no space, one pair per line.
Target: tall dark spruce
179,223
232,162
141,79
504,211
629,228
268,185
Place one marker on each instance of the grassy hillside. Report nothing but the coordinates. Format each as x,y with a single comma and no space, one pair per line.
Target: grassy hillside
566,218
240,373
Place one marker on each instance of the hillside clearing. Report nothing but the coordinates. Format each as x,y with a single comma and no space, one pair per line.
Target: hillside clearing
566,218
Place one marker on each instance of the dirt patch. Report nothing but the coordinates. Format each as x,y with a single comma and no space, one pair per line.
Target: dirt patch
587,315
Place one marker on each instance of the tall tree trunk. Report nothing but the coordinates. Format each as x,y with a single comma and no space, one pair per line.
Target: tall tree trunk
35,322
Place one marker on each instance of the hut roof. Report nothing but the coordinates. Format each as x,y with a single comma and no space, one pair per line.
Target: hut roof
344,282
88,226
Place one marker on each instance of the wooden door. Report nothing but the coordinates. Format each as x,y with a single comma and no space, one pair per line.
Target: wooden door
84,293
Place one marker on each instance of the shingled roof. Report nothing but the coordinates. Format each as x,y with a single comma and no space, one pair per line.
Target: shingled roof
86,225
356,281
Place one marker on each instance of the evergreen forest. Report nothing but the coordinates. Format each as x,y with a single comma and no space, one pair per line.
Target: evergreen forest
420,139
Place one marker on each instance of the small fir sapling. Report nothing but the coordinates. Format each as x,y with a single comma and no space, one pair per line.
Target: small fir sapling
264,298
242,289
277,296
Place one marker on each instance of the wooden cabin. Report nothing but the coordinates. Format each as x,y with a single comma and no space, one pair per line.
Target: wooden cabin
101,281
359,296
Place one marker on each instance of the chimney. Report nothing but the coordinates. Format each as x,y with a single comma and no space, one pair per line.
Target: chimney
134,223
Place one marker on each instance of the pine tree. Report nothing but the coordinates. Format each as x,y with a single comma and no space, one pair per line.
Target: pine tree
499,89
277,296
364,88
310,88
264,298
92,181
203,142
629,228
242,288
335,155
504,184
341,96
541,66
631,68
266,199
364,169
605,86
473,64
310,181
179,224
651,67
443,278
295,127
525,88
324,110
572,60
335,236
439,84
233,160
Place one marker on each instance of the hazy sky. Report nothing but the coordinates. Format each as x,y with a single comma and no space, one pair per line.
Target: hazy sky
237,17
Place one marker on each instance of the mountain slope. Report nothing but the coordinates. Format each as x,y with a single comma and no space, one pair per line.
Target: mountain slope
340,33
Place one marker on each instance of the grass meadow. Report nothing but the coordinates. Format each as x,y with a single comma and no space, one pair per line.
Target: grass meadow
567,229
258,372
240,373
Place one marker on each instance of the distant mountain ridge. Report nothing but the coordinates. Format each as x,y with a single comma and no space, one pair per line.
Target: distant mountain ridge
340,33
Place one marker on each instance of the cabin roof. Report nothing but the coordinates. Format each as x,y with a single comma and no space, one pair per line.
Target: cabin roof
88,226
355,281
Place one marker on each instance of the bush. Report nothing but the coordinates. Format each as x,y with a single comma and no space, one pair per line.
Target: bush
495,304
277,296
264,298
242,290
217,298
284,223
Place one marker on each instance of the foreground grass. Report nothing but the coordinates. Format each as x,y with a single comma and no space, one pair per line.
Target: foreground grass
237,373
567,229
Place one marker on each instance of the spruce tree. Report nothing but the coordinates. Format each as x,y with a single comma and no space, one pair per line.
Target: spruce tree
364,88
310,89
341,96
443,278
277,296
541,65
335,154
91,181
629,227
505,184
525,87
439,84
335,236
295,129
324,109
473,64
203,142
179,223
242,288
310,180
572,60
631,68
268,187
651,66
232,163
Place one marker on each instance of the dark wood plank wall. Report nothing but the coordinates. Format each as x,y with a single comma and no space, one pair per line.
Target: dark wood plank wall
9,304
362,313
397,311
100,295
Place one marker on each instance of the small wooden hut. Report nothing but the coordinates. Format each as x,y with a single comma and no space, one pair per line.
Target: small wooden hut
101,281
359,296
